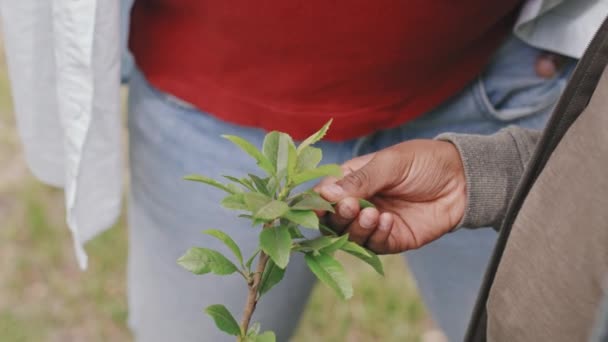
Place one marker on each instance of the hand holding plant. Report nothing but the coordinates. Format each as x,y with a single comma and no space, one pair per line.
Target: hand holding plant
269,202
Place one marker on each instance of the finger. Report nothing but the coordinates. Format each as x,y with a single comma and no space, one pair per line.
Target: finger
357,163
549,64
378,241
347,168
363,227
366,181
346,211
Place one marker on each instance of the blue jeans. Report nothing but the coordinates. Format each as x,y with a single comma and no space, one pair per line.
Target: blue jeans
169,139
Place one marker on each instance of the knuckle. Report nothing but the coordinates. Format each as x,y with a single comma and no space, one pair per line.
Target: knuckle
356,180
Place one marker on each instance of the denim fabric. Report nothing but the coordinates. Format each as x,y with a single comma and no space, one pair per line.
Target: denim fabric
169,139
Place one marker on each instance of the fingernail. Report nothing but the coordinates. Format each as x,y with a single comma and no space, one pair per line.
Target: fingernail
385,223
366,222
334,190
346,211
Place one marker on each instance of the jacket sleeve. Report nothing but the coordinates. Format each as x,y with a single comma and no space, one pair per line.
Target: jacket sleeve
493,166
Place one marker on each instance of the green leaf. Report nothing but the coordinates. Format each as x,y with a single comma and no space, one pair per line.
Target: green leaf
308,158
228,241
272,210
286,154
266,336
270,148
367,256
280,150
315,137
243,181
337,243
276,242
274,183
305,218
255,201
272,275
203,260
234,201
363,203
321,171
330,272
223,319
260,184
251,150
317,244
327,230
311,201
251,258
209,181
295,233
254,329
292,158
257,222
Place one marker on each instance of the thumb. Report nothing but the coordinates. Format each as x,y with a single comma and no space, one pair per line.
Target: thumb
361,183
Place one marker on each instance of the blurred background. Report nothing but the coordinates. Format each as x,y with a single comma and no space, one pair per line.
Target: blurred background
45,297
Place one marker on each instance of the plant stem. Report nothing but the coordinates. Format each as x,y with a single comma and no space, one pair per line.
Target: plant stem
252,297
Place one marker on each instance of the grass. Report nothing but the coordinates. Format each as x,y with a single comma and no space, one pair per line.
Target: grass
44,297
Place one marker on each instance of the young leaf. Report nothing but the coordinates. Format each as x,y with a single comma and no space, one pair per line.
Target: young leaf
330,272
251,150
273,184
305,218
286,154
270,147
337,243
209,181
260,184
223,319
312,201
234,201
251,258
308,158
327,230
315,137
363,203
254,329
276,242
321,171
368,256
271,210
266,336
295,233
202,260
272,275
318,244
228,241
255,201
292,158
243,181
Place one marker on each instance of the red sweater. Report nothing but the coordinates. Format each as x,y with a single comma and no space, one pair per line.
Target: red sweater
290,65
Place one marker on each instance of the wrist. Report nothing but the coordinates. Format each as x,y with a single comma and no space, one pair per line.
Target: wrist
458,186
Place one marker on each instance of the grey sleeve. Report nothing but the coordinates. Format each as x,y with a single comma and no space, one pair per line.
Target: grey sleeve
493,166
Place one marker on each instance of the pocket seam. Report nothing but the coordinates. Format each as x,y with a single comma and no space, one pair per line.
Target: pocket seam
512,114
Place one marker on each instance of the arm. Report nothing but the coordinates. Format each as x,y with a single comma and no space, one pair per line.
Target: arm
423,189
493,166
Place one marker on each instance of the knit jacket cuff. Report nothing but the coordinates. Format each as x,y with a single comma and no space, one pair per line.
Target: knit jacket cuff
493,166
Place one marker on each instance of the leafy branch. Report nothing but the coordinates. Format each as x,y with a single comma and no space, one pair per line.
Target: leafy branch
268,202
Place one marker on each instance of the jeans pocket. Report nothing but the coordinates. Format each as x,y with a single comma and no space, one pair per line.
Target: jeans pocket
509,88
515,97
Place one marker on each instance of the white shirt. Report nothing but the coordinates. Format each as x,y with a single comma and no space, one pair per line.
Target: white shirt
64,66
